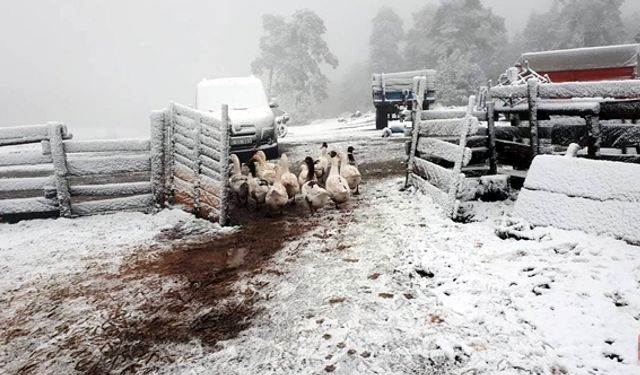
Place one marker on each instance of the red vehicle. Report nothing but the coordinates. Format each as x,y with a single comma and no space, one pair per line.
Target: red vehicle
585,64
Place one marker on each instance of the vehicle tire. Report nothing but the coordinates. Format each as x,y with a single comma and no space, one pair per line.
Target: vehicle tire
272,153
381,118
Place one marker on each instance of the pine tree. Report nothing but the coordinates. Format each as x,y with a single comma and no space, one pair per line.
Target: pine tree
416,56
459,76
463,40
575,24
384,42
291,54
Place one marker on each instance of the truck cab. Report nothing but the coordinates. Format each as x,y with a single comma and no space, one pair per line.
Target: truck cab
251,118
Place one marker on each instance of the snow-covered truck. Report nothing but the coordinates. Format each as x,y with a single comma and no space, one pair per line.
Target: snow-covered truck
253,125
606,63
393,91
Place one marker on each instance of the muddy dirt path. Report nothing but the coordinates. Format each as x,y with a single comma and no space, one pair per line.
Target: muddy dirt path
181,288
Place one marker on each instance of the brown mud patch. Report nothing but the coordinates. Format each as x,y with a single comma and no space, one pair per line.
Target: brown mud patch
181,290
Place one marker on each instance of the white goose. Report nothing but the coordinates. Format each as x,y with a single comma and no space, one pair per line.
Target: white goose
288,179
322,164
336,185
238,181
349,170
258,187
307,172
277,196
315,196
264,169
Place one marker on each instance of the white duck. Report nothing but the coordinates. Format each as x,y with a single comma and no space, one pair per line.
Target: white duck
307,172
336,185
288,179
264,169
238,181
277,196
322,164
349,170
258,187
315,196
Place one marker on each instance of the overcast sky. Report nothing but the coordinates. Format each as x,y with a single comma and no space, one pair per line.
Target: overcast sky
101,66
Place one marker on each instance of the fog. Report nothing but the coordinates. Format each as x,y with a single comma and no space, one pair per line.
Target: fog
101,66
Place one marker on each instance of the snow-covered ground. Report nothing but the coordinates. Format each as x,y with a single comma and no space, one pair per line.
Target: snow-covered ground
385,286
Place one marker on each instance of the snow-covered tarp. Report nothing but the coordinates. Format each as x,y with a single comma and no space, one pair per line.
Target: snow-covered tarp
572,193
619,56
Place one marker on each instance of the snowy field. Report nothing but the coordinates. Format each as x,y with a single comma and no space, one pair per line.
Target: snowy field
384,286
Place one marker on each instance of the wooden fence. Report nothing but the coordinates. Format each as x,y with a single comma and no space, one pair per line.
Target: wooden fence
184,162
592,116
444,145
196,161
25,173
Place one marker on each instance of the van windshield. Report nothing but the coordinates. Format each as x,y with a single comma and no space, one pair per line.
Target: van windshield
238,93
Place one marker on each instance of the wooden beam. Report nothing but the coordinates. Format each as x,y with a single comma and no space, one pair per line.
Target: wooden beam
434,114
27,205
109,165
224,159
434,147
133,203
157,142
24,158
25,184
448,127
60,167
491,132
595,135
107,145
532,90
14,135
112,190
439,197
436,175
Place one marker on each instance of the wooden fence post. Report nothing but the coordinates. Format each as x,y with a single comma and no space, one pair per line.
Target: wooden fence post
60,169
491,130
169,147
457,167
419,88
594,129
532,90
157,149
197,163
224,165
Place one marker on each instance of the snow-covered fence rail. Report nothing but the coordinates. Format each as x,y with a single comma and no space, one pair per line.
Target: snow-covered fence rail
196,161
27,134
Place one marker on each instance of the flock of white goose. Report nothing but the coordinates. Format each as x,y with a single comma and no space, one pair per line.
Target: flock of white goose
332,177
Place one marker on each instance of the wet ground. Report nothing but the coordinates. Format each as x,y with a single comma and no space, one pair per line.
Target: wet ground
183,289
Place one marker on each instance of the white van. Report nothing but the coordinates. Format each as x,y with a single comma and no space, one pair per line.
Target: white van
250,113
